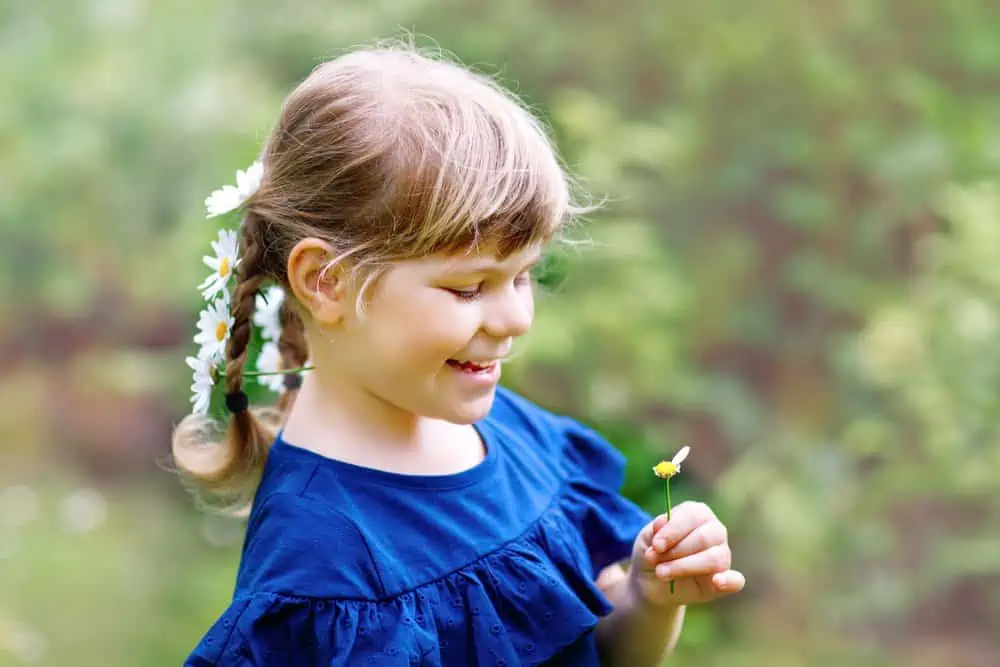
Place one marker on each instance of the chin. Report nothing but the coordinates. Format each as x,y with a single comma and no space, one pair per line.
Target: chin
468,411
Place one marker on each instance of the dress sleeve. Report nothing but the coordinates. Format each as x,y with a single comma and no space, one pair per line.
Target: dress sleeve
608,521
594,470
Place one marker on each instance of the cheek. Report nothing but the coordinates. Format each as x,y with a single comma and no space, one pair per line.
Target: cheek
444,329
427,326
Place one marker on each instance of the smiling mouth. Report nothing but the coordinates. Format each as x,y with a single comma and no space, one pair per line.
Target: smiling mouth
472,367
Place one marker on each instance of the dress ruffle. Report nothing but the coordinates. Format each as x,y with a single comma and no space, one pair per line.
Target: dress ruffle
522,604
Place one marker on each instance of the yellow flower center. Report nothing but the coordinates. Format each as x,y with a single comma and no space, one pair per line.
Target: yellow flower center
665,469
220,331
224,267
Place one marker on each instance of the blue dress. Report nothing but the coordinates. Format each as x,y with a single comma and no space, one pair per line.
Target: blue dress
346,566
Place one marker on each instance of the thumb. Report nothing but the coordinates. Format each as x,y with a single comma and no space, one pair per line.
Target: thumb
728,582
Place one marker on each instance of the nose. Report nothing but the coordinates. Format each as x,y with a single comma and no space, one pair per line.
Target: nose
510,313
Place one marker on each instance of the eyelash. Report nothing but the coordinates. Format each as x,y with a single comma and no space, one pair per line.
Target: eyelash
472,295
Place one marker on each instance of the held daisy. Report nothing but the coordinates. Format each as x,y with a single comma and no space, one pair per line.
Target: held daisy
266,313
203,381
228,197
214,324
226,259
667,469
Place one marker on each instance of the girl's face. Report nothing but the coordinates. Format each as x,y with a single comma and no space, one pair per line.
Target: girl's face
433,332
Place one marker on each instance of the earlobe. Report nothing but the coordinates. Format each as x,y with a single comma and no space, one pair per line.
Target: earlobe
317,286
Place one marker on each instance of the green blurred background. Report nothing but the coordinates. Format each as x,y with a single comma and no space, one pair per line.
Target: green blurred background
797,273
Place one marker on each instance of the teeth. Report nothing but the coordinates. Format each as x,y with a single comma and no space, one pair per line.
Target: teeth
474,364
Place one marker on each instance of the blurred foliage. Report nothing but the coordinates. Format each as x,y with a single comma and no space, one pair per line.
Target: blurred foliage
796,273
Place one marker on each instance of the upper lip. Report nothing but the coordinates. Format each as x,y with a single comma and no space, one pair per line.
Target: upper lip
478,362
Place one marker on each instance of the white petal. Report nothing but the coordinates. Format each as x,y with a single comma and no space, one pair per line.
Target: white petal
247,182
200,403
227,243
681,455
223,200
255,172
213,278
266,312
213,285
269,361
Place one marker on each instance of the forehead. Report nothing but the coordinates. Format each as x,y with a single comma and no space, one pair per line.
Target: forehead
484,259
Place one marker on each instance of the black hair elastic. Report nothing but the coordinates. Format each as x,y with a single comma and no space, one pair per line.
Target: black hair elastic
237,402
292,381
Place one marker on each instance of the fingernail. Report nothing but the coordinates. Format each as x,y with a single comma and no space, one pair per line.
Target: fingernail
660,544
663,570
650,554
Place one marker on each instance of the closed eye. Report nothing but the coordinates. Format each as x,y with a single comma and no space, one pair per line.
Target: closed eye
524,278
467,294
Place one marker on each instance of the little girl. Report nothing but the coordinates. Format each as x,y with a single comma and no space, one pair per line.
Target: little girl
403,508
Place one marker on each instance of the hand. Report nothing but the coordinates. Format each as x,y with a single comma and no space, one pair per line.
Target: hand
691,549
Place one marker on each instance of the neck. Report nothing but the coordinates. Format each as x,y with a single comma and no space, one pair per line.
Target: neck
329,414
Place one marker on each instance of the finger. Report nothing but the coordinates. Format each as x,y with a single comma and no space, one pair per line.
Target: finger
684,519
651,528
728,582
712,560
702,538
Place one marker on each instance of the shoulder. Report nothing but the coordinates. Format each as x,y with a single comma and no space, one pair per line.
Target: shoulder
298,544
572,442
517,413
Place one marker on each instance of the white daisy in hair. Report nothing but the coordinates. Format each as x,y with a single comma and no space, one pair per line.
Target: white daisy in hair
229,198
248,181
223,264
203,381
266,313
214,325
269,361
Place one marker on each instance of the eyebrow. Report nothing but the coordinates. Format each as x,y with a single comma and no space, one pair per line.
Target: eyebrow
492,266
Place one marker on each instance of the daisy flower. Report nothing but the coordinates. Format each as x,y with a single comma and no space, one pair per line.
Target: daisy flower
269,361
226,259
202,384
228,197
667,469
266,314
214,324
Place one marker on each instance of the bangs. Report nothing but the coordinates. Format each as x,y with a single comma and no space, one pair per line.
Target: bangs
473,171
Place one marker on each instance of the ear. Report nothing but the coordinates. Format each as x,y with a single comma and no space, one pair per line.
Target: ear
320,290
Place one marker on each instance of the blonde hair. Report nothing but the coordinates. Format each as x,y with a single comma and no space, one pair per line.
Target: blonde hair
386,154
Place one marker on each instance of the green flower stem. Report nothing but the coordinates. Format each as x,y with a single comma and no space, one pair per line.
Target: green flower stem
254,374
666,487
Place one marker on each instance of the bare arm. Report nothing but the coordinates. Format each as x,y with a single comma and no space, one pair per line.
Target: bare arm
636,633
691,551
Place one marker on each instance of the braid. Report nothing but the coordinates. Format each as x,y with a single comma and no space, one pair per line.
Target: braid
294,349
244,303
249,439
230,469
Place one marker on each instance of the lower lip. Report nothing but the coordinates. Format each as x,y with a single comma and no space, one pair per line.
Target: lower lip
485,376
